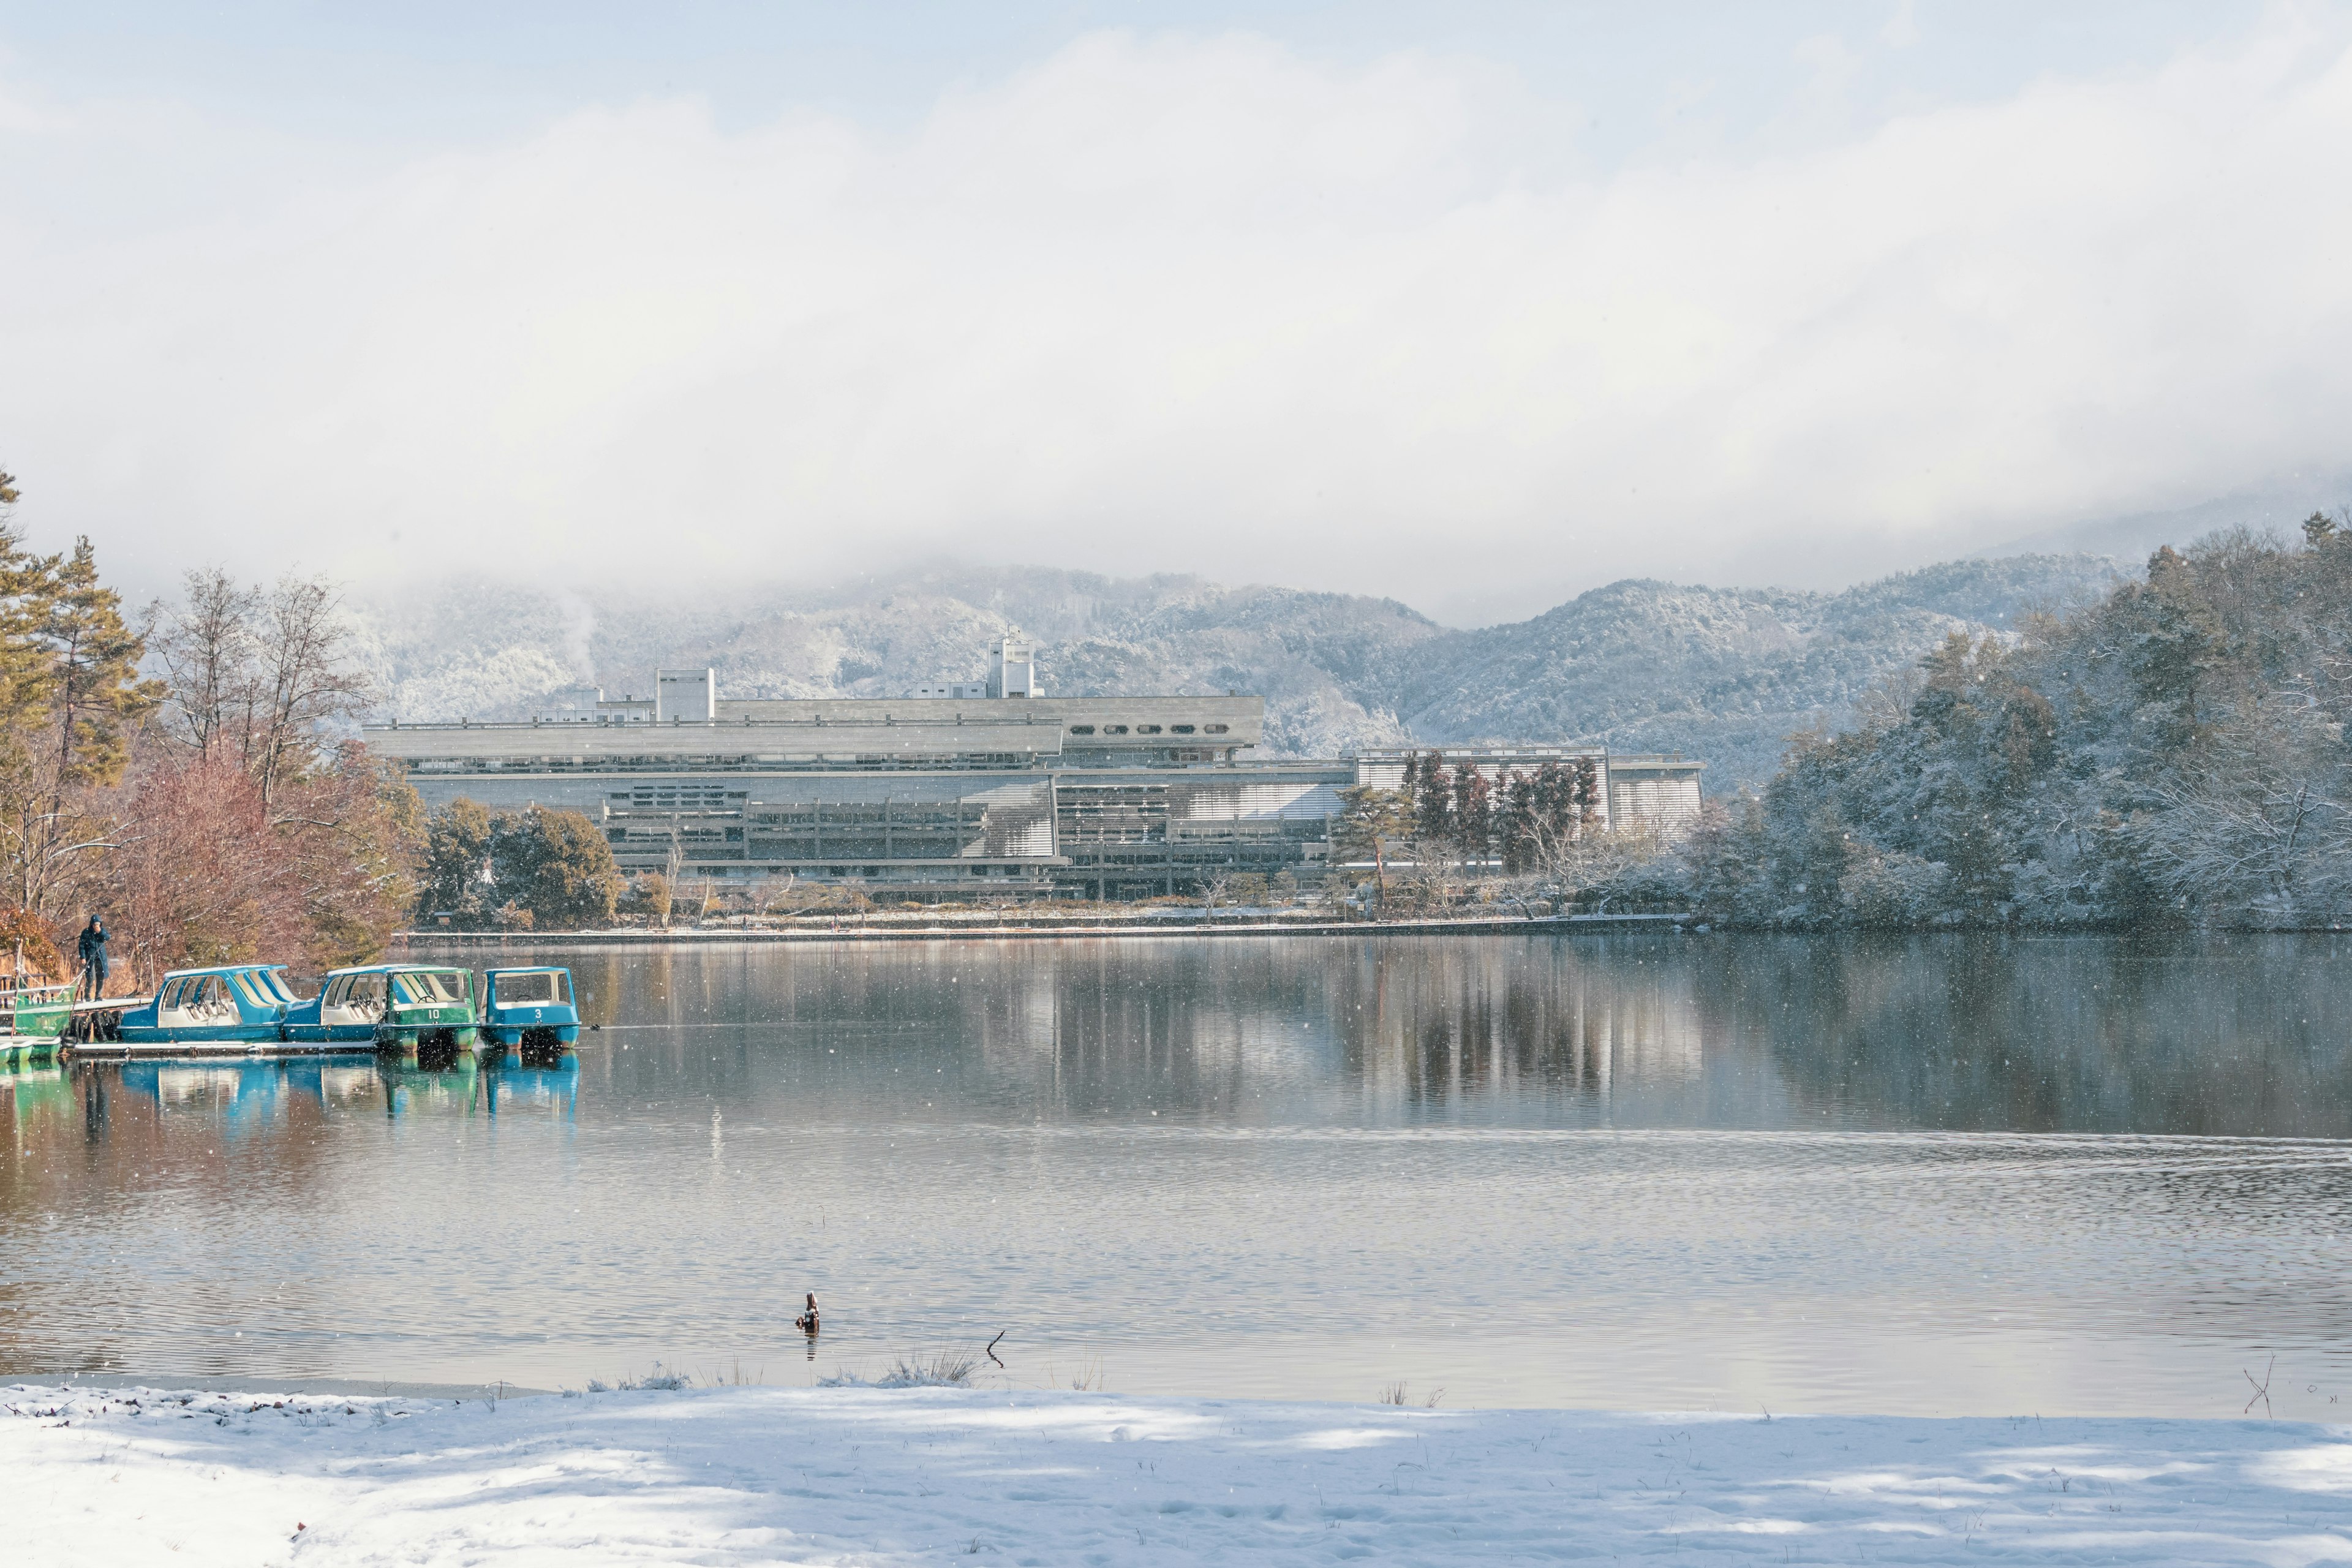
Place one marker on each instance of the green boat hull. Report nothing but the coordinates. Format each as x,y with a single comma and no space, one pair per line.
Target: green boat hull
28,1051
39,1018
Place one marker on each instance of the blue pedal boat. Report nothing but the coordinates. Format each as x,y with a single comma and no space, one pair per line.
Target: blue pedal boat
228,1005
351,1002
531,1010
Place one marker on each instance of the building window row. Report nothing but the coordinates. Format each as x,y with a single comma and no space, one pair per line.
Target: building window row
1150,729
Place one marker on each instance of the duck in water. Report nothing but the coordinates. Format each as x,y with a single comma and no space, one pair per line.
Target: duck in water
806,1321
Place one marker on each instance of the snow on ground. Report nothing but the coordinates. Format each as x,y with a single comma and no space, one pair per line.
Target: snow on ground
876,1476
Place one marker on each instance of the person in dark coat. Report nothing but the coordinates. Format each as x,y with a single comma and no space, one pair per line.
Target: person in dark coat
93,954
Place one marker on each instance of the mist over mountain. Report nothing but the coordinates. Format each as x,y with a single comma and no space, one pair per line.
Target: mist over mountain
1721,674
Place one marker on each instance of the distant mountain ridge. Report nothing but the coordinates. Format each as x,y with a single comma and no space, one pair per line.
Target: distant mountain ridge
1721,674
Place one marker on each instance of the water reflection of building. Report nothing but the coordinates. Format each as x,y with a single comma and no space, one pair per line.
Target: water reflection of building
1274,1033
961,789
1457,1022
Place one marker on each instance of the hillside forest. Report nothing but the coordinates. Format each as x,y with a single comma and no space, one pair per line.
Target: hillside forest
2174,755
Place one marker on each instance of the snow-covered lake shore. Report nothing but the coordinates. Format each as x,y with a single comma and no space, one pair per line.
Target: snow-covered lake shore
868,1475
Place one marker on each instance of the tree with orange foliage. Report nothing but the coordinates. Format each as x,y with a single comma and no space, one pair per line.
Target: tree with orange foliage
31,953
202,879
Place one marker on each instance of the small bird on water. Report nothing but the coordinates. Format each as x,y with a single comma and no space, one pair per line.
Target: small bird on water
806,1321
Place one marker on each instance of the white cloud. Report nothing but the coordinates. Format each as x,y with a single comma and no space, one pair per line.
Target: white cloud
1198,304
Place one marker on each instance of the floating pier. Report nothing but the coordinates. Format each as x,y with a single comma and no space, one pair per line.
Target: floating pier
206,1051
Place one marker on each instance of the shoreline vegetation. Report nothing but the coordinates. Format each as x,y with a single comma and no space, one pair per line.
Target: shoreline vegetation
862,1474
947,923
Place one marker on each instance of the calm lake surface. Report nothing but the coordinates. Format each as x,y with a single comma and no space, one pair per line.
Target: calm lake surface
1925,1175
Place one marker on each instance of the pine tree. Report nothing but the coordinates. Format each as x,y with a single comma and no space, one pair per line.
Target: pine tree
98,698
70,698
1472,813
1432,801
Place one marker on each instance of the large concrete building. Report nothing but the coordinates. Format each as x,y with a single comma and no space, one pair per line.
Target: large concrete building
957,790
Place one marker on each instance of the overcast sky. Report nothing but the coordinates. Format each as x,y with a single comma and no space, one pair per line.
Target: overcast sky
1475,305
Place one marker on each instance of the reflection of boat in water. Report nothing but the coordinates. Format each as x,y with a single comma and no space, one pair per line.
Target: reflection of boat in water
410,1087
37,1092
553,1086
558,1077
248,1091
23,1078
493,1088
252,1093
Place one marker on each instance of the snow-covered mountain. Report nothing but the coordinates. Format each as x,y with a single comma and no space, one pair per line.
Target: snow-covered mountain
1724,675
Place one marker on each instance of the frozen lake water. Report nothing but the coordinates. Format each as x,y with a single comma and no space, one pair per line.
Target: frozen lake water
1930,1176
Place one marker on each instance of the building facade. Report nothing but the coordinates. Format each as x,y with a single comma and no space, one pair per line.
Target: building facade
945,793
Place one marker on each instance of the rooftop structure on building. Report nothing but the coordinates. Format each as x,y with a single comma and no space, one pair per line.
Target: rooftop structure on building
955,789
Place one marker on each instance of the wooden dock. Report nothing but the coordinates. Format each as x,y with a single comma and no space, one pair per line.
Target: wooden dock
214,1050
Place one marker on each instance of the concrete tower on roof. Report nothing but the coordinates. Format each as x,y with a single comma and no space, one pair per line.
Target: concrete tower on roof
1012,673
1013,669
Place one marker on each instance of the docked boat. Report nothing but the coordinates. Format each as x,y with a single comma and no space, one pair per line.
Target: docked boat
430,1008
351,1002
400,1007
37,1016
530,1011
217,1009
